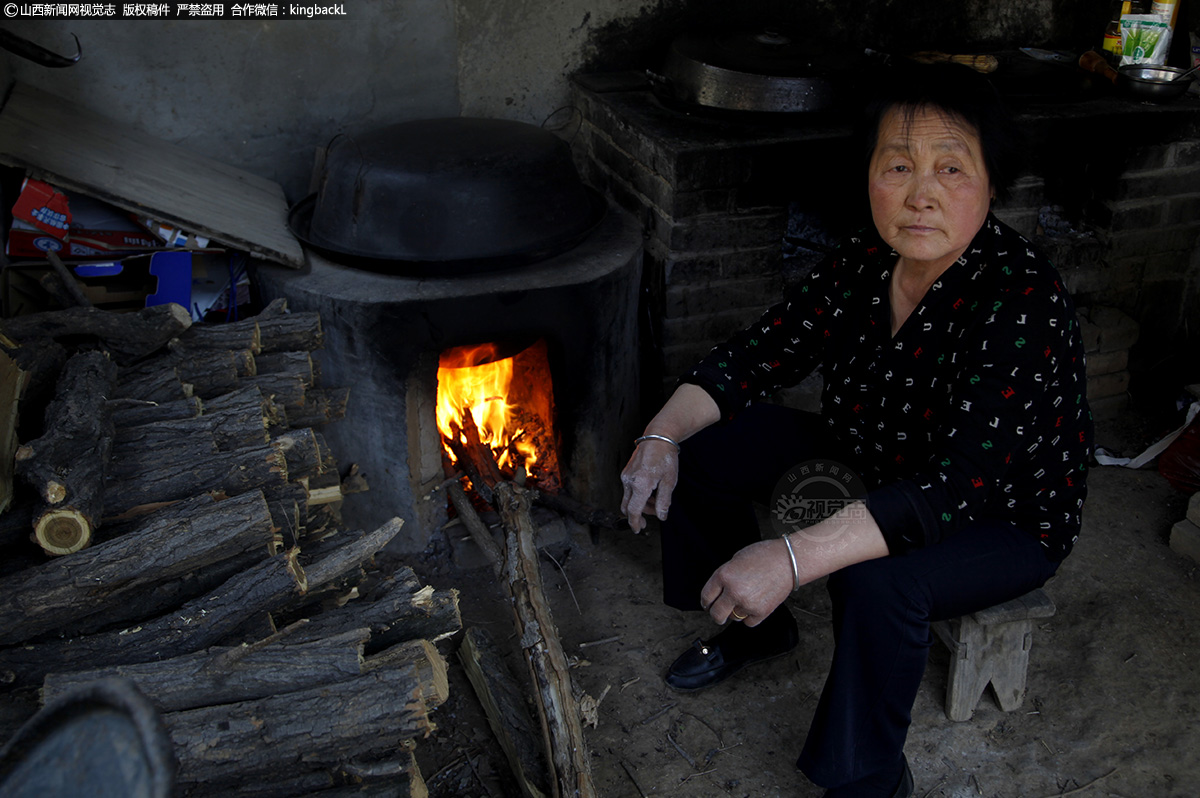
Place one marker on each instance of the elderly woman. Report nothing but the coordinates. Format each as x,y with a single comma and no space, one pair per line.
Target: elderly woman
954,387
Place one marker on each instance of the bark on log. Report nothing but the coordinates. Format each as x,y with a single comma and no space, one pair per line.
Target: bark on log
199,624
323,726
235,335
167,547
297,363
127,336
210,372
12,382
135,412
352,554
291,332
162,385
431,668
245,398
507,713
224,675
66,466
474,524
284,389
135,482
396,610
543,649
288,504
321,405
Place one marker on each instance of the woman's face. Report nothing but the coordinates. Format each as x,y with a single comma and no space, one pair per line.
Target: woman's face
928,185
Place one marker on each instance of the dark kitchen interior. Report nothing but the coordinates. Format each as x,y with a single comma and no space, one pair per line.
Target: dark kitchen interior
253,542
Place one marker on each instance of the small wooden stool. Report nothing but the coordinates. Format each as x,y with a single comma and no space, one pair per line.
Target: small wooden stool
991,646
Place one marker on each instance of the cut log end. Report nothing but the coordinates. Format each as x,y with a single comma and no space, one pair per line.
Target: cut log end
297,571
55,492
61,532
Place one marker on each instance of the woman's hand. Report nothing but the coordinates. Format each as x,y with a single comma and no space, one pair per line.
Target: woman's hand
651,473
753,583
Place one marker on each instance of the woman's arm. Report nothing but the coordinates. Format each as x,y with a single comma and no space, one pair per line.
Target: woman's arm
760,576
653,469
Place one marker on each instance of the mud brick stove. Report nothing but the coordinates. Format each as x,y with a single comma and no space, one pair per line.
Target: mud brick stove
384,334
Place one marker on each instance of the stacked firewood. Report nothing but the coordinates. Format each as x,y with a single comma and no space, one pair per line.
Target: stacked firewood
192,508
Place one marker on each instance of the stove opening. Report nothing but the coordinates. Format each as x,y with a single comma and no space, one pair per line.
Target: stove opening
507,390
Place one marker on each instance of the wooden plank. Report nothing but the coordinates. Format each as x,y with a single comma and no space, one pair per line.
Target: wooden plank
79,150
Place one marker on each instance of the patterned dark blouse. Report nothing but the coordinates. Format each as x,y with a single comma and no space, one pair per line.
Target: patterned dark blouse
975,409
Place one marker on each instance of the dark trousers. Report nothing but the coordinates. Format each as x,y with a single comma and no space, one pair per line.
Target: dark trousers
882,609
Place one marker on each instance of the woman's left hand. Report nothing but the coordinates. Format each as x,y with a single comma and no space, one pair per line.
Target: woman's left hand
753,583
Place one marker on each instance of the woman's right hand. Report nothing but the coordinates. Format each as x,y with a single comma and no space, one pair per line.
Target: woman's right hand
648,480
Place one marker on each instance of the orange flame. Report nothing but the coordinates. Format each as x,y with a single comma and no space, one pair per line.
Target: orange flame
471,377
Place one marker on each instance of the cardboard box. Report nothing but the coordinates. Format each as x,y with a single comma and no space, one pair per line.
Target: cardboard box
47,220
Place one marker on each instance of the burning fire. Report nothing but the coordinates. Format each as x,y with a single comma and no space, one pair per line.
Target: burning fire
477,379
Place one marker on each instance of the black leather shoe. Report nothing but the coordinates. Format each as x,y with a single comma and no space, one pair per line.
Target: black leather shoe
714,661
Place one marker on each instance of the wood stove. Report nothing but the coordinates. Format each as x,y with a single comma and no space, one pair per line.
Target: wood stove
385,334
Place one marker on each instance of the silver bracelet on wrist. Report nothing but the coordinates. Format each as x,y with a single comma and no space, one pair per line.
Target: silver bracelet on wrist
656,438
795,568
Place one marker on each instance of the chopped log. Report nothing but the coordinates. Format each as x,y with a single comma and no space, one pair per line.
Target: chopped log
291,332
12,383
323,488
319,726
504,704
245,398
211,372
234,335
284,389
297,363
223,675
301,452
321,405
273,309
166,547
288,504
136,481
229,429
431,668
198,624
162,385
135,412
127,336
543,649
66,466
396,610
73,289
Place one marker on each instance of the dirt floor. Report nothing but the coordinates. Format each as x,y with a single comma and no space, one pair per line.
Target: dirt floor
1109,710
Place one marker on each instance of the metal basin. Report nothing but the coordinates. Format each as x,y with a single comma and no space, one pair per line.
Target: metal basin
1155,83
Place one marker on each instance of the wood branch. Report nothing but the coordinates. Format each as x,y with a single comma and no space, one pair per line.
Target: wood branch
273,413
504,704
210,372
166,547
136,481
198,624
352,554
291,332
127,336
396,610
319,726
135,412
323,489
297,363
66,466
286,390
578,511
161,385
475,526
543,649
273,309
74,291
321,405
479,453
224,675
